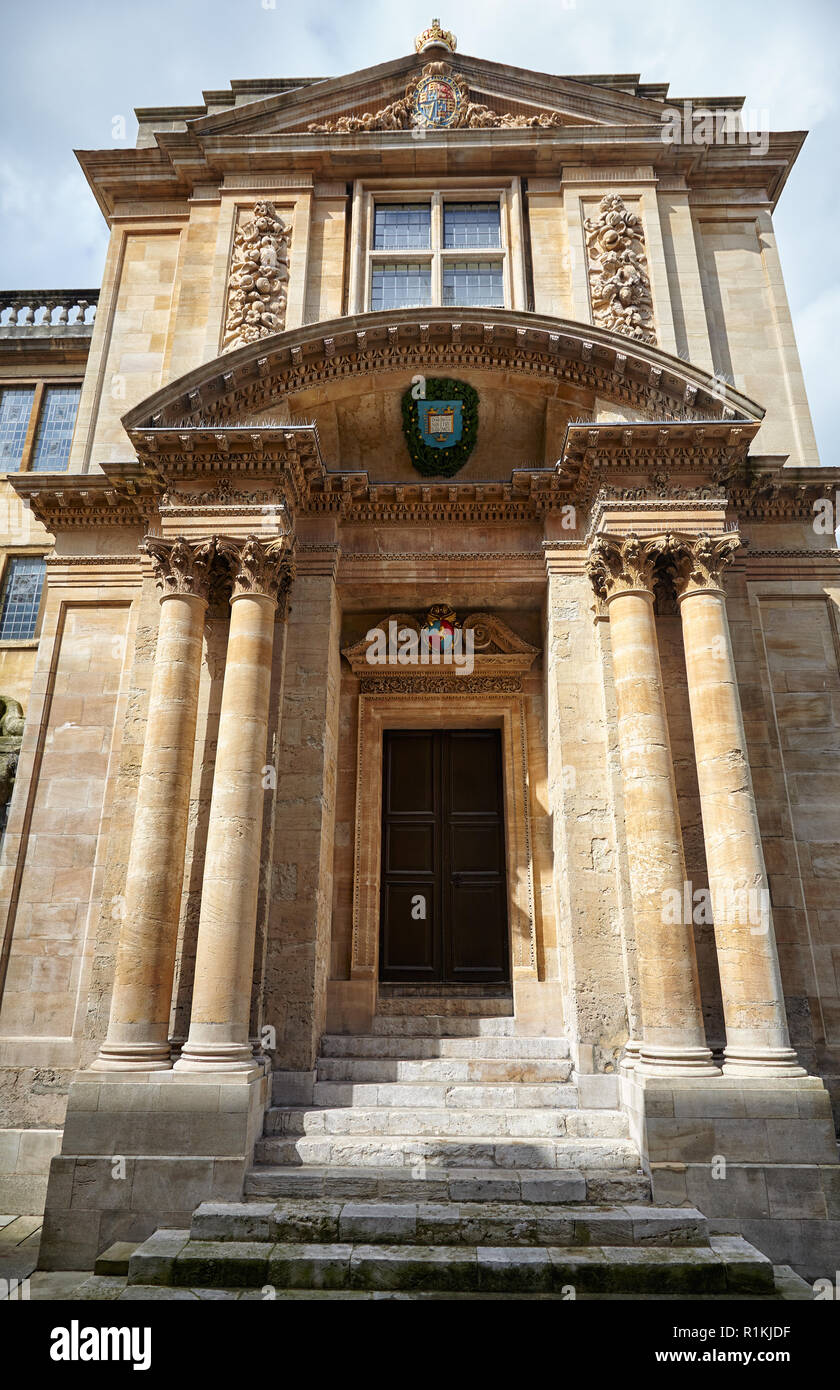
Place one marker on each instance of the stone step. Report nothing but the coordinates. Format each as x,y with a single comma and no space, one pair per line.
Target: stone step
596,1186
455,1006
417,1048
470,1095
442,1025
726,1266
370,1069
418,1123
382,1151
447,1223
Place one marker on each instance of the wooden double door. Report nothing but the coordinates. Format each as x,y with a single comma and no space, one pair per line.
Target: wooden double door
443,893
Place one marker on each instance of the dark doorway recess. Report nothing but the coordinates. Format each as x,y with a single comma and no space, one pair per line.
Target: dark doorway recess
443,892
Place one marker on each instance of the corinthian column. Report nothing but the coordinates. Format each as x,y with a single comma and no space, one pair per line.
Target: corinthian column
138,1028
757,1039
673,1037
224,963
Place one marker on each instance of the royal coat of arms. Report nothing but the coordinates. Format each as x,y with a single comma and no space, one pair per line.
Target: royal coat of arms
437,102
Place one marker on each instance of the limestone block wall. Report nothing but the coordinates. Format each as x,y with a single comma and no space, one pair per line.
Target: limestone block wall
54,854
793,630
327,252
584,829
128,348
297,948
750,328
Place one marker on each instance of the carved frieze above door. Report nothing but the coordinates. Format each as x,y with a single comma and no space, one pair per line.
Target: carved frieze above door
437,652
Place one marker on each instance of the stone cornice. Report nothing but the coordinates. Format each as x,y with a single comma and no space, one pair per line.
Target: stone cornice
240,384
169,171
121,496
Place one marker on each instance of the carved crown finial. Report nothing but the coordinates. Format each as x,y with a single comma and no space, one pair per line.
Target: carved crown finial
435,37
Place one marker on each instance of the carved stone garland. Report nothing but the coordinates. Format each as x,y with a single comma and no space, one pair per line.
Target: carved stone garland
259,274
403,114
619,285
11,738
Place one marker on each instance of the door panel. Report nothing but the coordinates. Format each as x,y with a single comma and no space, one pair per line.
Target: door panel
477,937
443,893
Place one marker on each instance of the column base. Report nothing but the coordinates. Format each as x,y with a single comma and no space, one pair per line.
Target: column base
761,1061
133,1057
216,1057
660,1060
630,1054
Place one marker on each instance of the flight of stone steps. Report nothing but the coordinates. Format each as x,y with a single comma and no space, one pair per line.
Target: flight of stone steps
449,1155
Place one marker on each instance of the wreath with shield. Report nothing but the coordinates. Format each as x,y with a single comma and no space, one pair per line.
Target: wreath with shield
440,428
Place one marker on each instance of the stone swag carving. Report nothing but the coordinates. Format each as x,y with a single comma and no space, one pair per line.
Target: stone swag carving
619,285
403,114
11,737
259,274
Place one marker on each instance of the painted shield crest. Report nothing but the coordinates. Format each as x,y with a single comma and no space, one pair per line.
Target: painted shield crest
441,423
437,103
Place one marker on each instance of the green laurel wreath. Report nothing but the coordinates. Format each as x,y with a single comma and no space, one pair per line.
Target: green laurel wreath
441,463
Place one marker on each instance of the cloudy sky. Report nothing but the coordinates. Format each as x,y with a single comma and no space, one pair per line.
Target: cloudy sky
71,68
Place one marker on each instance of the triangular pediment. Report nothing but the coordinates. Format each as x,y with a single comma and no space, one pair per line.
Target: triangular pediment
495,93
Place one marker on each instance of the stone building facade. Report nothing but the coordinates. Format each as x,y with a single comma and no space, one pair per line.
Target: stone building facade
437,659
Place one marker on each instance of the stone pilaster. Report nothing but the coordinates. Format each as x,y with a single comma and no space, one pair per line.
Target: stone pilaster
301,902
753,1001
219,1024
673,1038
138,1027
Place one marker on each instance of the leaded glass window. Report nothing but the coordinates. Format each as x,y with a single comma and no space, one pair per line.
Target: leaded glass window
400,285
22,585
473,282
55,428
15,409
469,225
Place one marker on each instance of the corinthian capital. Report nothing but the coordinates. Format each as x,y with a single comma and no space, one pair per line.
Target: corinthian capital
260,567
181,566
697,561
620,564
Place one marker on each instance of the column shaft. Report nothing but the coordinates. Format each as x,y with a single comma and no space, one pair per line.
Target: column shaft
672,1024
753,999
219,1023
138,1028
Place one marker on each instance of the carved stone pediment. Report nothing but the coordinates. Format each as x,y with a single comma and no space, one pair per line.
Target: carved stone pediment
439,650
